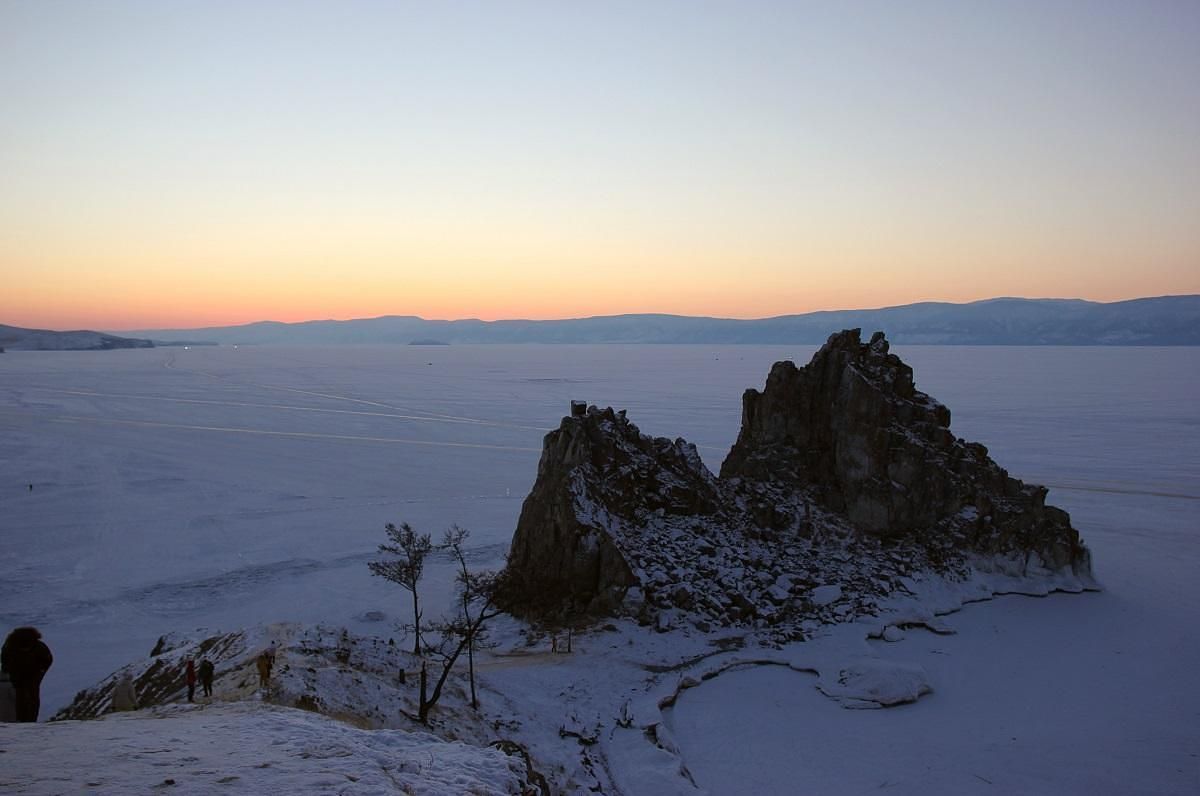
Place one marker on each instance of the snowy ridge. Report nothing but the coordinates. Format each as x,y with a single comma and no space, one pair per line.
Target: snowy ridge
246,747
351,681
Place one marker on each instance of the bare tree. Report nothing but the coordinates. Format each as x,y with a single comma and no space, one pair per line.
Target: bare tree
477,591
463,632
411,550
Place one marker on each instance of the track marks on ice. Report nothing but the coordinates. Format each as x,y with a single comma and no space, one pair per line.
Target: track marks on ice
426,418
292,434
335,397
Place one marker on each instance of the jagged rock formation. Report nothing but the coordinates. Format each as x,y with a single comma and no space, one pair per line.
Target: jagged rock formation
852,427
596,471
845,479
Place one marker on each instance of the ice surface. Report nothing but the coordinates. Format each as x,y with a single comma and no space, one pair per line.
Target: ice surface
226,487
1066,694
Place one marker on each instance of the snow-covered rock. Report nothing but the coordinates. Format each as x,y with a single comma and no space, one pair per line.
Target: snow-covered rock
824,595
876,683
843,473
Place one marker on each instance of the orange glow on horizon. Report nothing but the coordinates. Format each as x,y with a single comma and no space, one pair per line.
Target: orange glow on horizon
148,312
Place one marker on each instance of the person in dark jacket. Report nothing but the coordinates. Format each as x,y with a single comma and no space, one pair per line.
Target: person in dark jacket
206,676
26,658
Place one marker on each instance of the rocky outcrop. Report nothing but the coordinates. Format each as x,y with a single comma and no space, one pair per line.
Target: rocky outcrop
844,481
852,428
599,481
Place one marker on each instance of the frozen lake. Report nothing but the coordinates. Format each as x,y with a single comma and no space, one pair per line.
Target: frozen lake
217,487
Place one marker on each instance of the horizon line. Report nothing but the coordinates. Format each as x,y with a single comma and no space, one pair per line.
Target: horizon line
633,314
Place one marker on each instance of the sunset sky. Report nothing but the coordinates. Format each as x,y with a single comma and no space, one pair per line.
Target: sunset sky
183,164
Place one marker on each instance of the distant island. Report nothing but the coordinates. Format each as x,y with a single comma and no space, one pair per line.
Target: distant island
1160,321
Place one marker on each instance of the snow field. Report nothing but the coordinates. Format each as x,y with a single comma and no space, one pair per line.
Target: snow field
244,747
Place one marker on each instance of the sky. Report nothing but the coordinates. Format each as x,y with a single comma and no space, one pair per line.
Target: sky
184,164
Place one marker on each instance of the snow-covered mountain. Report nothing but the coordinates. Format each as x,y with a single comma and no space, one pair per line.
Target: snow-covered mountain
1165,320
14,338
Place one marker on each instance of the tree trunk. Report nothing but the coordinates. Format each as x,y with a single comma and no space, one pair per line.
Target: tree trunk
471,666
447,665
423,709
416,625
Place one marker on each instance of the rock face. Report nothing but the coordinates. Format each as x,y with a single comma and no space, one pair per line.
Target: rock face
598,478
853,429
844,480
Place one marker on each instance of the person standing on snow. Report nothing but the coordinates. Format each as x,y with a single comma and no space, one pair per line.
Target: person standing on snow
26,658
264,669
206,677
191,679
8,699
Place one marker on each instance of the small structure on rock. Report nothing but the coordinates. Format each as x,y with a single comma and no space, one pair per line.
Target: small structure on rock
843,473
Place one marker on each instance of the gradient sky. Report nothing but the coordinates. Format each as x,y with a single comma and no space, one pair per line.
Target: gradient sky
180,164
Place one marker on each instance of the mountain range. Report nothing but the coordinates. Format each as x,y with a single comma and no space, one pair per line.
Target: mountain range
1159,321
1165,320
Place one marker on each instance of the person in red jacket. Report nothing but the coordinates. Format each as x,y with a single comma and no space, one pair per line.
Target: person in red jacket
191,679
26,658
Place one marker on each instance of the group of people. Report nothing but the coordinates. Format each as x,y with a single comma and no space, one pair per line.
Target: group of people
205,674
125,696
25,659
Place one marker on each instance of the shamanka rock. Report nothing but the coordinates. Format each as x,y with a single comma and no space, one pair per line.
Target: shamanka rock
844,481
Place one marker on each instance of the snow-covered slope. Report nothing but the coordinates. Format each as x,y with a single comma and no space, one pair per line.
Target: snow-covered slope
243,747
614,715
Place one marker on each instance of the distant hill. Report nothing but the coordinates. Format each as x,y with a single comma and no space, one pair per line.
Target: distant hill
1166,320
14,338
